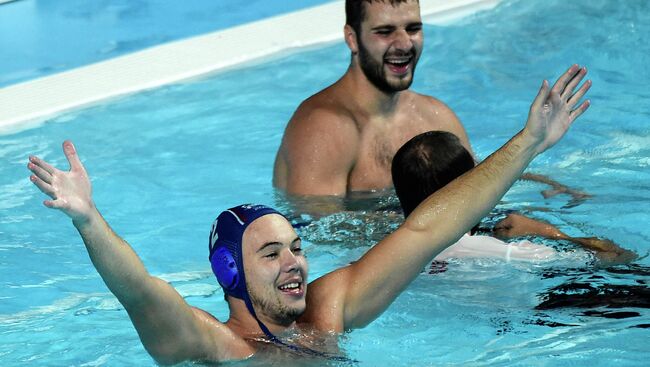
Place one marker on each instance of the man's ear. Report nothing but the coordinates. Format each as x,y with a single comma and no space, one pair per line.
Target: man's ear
351,39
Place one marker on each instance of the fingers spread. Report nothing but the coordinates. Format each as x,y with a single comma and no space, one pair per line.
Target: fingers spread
40,172
71,154
42,164
573,83
579,94
45,187
578,111
562,82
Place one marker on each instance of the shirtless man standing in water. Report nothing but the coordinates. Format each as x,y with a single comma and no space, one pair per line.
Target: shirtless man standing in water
343,138
257,258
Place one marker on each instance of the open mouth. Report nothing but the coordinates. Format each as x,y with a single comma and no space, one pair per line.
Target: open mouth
398,65
293,288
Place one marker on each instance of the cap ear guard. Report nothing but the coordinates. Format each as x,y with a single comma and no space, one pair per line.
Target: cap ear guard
224,267
226,258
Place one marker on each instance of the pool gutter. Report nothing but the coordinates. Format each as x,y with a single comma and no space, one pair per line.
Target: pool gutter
27,104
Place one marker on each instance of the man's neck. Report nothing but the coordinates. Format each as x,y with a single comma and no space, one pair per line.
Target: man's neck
242,323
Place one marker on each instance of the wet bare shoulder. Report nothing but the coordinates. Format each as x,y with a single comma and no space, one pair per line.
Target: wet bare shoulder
223,343
321,125
319,148
325,110
432,106
439,116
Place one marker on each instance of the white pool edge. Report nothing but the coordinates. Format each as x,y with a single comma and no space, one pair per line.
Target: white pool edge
27,104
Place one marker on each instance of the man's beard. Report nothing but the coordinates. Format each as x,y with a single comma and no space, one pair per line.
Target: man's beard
376,73
272,307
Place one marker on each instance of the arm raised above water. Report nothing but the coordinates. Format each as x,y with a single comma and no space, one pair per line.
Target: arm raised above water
373,282
170,329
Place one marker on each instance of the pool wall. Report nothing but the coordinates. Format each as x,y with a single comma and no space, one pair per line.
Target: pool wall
27,104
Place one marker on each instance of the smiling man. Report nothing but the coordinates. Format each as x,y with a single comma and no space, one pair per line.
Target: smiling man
343,138
257,256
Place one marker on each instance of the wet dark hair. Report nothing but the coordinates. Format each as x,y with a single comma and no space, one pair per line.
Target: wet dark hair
355,11
427,163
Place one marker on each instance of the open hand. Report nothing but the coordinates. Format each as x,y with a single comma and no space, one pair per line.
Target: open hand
70,191
552,111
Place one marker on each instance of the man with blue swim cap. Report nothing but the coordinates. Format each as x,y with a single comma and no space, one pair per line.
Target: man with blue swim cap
258,259
226,257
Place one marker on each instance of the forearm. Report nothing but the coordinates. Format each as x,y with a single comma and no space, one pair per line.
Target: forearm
434,225
115,261
386,269
165,323
607,252
453,210
515,225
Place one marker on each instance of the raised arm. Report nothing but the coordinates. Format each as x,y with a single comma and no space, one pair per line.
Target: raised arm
169,328
384,271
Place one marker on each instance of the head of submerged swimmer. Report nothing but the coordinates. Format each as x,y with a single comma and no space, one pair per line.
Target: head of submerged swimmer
425,164
385,37
257,257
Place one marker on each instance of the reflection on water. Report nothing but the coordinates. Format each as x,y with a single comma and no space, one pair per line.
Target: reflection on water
613,293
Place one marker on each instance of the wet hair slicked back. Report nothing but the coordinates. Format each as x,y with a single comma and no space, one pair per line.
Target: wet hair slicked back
426,164
355,11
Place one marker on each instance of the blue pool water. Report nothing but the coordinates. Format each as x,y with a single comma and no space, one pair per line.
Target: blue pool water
42,37
165,162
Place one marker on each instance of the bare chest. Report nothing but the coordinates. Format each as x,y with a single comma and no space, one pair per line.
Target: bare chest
378,145
306,348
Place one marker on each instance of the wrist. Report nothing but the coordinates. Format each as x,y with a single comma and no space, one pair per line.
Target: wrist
528,145
85,218
530,142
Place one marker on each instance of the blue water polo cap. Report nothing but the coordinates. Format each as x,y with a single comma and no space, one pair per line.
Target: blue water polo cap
226,246
228,265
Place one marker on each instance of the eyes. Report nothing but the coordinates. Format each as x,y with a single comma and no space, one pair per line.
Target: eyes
414,29
296,250
388,30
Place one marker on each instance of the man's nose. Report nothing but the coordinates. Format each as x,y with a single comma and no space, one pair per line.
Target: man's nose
402,40
289,261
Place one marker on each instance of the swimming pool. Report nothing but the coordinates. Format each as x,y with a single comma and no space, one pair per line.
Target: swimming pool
35,35
165,162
